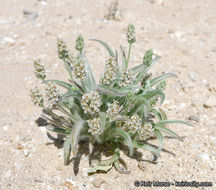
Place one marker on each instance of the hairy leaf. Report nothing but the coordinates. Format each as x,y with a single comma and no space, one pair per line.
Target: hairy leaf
62,84
108,48
160,78
67,150
102,116
146,147
119,132
156,113
173,121
75,135
124,60
154,93
160,139
113,159
168,131
100,168
58,129
163,114
89,80
110,91
144,70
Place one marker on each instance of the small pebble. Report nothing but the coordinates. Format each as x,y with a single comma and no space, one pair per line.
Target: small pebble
212,87
69,185
8,174
31,15
98,182
193,76
7,40
26,152
142,166
5,128
204,157
193,118
211,102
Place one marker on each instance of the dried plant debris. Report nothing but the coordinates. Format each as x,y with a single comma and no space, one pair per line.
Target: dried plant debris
114,12
122,110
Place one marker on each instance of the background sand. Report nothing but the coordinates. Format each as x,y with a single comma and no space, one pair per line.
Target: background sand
182,31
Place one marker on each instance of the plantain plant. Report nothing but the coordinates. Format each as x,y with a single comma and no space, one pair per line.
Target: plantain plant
121,113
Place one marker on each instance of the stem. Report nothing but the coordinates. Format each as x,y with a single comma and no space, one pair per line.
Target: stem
98,139
128,56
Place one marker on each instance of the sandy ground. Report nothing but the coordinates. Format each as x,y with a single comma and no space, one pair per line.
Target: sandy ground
182,31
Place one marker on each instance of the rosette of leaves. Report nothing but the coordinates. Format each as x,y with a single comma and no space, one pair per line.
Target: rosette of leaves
119,115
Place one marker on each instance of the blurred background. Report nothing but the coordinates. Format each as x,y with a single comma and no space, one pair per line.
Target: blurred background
182,32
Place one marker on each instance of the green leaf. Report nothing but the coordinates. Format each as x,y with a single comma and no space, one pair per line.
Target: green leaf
160,139
113,159
124,61
130,89
146,147
160,78
58,129
163,114
75,135
100,168
67,150
102,117
68,68
73,94
110,91
106,46
173,121
89,80
156,113
168,131
62,84
143,72
138,68
119,132
149,94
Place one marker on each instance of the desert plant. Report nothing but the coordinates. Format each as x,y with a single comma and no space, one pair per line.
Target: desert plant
123,110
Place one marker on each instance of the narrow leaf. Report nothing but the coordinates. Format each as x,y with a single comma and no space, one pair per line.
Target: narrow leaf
173,121
168,131
102,117
58,129
138,68
106,46
146,147
75,134
62,84
68,68
124,61
89,80
149,94
100,168
160,78
163,114
160,139
144,70
110,91
113,159
119,132
156,113
67,150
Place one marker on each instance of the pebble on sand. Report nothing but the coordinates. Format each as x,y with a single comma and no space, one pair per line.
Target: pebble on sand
211,102
8,40
193,118
31,15
98,182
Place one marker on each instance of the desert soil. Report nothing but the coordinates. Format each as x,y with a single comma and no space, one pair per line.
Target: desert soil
183,32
